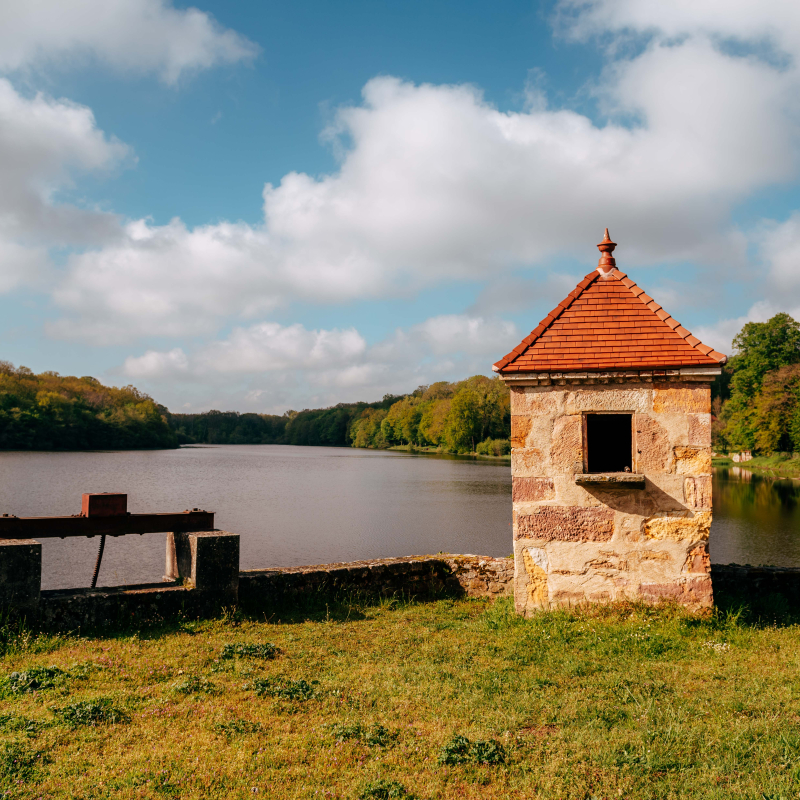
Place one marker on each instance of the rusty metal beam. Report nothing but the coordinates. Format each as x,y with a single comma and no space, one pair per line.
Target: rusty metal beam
61,527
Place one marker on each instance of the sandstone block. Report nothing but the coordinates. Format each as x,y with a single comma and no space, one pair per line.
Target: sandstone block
566,449
697,492
534,400
692,460
695,593
535,561
678,526
528,462
520,428
526,490
698,560
700,430
566,524
689,398
611,399
654,451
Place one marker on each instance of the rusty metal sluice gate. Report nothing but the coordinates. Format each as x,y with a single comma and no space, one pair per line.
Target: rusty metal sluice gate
106,514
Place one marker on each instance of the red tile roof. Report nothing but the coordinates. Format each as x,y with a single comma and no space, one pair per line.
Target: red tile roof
607,323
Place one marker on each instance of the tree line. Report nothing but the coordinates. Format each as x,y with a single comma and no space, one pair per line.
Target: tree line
464,417
756,400
755,406
51,412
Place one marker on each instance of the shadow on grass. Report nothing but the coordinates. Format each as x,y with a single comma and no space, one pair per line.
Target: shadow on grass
752,610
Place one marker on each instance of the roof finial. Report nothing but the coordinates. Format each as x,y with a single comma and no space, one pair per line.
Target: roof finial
606,248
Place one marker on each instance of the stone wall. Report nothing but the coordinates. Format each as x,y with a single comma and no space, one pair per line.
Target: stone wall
581,542
412,576
421,577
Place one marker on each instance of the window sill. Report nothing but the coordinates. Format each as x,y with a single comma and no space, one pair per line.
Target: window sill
609,480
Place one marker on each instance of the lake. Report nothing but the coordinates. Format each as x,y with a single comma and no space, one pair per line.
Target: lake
314,505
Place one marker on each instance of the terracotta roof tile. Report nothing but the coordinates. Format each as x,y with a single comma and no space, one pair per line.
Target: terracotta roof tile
607,322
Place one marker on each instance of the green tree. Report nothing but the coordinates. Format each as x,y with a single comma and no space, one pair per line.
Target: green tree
761,348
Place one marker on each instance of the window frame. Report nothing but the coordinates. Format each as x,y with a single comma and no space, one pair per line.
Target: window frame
585,439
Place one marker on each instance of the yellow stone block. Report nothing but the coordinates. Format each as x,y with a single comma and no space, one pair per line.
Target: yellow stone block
687,398
678,526
692,460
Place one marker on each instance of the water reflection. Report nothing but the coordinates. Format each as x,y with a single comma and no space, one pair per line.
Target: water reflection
756,519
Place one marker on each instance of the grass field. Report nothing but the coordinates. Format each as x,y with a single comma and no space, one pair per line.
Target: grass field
449,699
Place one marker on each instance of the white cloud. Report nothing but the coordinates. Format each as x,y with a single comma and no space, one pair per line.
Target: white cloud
270,346
44,143
155,365
439,185
774,22
135,35
268,366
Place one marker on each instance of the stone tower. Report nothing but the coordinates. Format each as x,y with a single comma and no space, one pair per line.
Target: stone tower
611,450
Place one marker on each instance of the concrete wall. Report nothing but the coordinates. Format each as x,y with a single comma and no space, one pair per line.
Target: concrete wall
580,543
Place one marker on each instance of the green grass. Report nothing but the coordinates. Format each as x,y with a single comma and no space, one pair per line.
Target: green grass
450,699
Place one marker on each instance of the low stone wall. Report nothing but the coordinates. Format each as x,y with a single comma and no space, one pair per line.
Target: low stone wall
412,576
756,583
420,577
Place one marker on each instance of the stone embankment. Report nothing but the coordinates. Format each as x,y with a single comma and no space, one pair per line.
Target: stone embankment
417,577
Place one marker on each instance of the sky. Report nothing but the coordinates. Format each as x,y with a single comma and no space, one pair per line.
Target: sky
262,206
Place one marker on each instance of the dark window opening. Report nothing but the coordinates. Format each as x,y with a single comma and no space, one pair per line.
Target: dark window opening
609,443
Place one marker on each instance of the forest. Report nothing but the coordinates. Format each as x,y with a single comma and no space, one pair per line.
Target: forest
464,417
51,412
755,406
756,400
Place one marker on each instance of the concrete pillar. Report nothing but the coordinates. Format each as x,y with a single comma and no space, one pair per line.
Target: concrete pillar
20,574
205,560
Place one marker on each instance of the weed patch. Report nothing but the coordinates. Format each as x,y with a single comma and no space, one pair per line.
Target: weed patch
285,689
194,684
263,651
373,736
19,763
35,679
460,750
91,712
9,723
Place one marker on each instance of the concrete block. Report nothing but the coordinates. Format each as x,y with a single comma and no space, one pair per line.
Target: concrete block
20,574
205,560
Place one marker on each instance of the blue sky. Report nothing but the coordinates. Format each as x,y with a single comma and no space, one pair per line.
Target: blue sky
262,206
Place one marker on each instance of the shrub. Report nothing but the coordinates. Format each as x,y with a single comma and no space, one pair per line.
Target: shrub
375,736
456,751
12,724
286,690
460,750
385,790
494,447
35,679
263,651
91,712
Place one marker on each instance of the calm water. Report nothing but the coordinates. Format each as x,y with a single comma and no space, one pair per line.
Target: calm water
291,505
756,520
312,505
